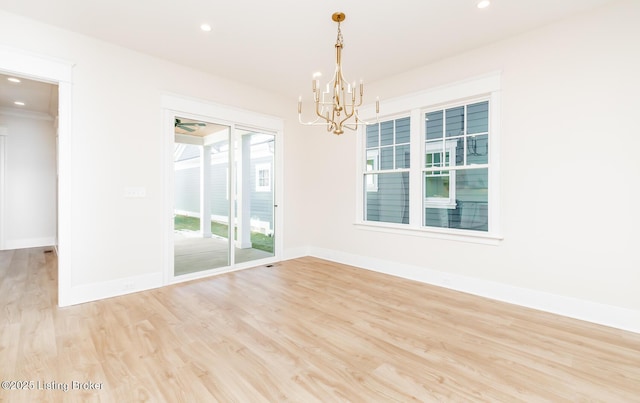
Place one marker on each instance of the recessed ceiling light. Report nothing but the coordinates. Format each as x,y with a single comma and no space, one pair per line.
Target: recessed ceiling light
13,79
483,4
19,103
205,27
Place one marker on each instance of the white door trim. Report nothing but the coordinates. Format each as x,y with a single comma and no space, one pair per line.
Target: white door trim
175,105
60,72
3,158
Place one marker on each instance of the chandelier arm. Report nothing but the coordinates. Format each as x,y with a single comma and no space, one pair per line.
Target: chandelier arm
324,119
319,120
310,123
319,113
347,117
365,122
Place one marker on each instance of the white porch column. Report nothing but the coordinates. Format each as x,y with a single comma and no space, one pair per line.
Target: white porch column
205,192
243,211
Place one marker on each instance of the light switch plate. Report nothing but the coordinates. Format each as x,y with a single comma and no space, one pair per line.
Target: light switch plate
135,192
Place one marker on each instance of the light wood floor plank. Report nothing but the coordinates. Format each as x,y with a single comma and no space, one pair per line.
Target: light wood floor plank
304,330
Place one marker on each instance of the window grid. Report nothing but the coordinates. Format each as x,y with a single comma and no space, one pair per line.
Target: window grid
375,162
470,140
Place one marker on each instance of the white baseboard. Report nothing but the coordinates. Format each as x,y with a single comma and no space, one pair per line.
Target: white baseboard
113,288
294,253
10,244
607,315
97,291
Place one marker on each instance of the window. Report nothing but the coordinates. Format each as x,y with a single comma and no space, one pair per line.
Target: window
387,171
263,177
434,169
455,171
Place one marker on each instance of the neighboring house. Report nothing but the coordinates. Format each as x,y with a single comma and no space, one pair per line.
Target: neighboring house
187,184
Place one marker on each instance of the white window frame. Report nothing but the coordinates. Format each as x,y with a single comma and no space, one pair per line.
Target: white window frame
372,180
464,92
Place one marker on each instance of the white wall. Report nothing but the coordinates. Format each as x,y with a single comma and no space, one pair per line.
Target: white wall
116,142
570,165
30,181
569,168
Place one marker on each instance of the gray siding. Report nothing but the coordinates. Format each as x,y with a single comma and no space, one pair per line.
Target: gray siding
390,203
187,192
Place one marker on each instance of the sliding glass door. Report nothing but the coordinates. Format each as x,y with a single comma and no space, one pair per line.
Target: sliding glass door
201,196
223,196
255,190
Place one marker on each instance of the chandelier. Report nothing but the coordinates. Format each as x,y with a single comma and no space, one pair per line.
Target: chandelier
338,103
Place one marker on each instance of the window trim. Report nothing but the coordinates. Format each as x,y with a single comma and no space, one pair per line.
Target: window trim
463,92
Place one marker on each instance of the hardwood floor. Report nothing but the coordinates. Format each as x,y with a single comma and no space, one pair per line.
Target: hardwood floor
304,330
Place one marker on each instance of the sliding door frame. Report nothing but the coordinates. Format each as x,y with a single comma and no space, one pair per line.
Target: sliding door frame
176,106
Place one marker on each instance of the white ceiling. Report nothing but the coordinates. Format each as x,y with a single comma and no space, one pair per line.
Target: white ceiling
277,45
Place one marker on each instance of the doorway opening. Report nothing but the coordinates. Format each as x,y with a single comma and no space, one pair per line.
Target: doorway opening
57,72
28,162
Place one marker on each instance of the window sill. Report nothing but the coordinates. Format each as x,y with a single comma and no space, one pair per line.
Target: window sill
444,233
449,205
